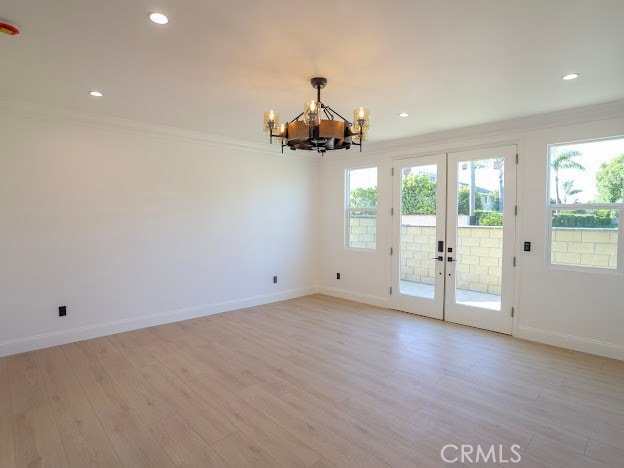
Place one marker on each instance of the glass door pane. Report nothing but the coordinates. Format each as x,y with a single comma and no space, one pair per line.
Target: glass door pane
480,206
418,231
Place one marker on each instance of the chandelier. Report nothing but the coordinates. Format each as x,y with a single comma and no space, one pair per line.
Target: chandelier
319,127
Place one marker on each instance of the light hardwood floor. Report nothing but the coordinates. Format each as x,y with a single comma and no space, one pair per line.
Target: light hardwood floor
314,381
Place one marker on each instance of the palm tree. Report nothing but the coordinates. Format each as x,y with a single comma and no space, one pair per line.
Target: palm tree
499,164
565,161
569,190
473,165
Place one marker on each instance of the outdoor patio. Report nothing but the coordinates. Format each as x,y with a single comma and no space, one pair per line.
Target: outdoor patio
463,296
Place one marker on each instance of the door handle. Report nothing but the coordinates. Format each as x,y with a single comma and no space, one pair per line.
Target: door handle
439,259
450,259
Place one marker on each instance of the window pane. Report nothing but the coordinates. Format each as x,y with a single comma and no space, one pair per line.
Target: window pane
361,208
362,188
362,229
591,172
586,238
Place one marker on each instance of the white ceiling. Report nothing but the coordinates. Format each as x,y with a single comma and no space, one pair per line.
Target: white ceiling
218,65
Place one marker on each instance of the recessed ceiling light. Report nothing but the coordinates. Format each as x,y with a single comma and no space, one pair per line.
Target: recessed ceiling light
403,114
96,93
158,18
570,76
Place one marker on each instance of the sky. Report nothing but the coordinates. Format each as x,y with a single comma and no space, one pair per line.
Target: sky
594,153
363,178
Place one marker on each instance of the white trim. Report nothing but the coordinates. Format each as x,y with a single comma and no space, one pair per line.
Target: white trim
45,340
582,142
354,296
118,125
515,320
396,148
577,343
542,121
561,340
499,133
362,249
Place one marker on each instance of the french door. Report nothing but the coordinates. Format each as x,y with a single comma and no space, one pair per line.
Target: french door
454,236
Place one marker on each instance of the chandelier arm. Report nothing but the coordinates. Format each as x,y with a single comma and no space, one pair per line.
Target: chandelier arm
361,140
330,117
296,118
333,111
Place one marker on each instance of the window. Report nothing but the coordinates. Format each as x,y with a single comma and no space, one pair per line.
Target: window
361,208
585,205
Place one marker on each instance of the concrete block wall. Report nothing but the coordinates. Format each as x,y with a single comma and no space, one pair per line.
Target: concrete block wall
479,252
363,232
480,249
417,250
479,255
585,247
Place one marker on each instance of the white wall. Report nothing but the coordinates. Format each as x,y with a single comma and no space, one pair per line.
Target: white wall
581,311
129,228
130,225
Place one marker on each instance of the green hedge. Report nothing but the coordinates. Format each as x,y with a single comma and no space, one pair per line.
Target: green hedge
599,219
488,218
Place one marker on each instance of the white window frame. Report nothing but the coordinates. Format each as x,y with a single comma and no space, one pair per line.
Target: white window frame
348,210
551,208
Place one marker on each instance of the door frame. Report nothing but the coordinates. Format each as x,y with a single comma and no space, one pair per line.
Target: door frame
433,308
394,276
501,320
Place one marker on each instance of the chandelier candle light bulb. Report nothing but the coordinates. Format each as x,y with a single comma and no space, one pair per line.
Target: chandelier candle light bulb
281,134
271,121
312,113
362,117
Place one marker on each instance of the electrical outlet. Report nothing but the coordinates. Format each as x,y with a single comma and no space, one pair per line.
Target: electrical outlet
275,279
337,275
62,311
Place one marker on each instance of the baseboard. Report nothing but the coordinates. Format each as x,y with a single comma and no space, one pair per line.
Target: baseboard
577,343
31,343
562,340
354,296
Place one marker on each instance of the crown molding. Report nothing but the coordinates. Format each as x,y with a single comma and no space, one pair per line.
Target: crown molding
119,125
513,126
508,127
